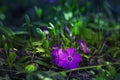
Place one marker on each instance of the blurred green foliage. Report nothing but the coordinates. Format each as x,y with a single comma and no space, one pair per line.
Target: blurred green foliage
29,29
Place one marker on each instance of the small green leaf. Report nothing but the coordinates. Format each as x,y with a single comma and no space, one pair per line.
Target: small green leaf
116,53
29,77
38,11
27,18
100,78
98,67
112,70
6,47
76,29
41,63
39,32
6,31
63,74
3,37
30,68
47,78
12,57
37,43
22,59
39,50
2,16
52,26
68,15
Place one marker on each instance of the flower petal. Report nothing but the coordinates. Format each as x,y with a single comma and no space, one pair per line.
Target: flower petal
63,63
77,57
73,65
75,62
67,30
55,53
56,61
63,55
60,58
70,51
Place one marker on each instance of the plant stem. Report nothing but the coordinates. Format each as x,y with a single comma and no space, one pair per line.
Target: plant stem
86,67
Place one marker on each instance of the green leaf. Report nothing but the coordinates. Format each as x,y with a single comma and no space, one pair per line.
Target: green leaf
47,78
98,67
76,29
43,75
37,43
86,33
3,37
112,50
112,70
65,40
6,47
39,50
6,31
2,16
20,33
29,77
39,31
12,57
73,79
22,59
115,54
63,74
52,26
38,11
27,18
40,76
30,68
42,63
99,78
68,15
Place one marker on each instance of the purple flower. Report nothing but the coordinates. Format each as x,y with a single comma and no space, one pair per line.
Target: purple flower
67,30
51,1
55,46
83,46
67,59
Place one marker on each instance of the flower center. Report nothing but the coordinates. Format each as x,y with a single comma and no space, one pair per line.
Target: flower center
69,58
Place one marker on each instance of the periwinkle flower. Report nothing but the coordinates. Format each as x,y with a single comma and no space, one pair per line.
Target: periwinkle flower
67,30
51,1
67,59
84,46
55,46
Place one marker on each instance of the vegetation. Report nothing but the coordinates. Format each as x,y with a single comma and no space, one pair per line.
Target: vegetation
28,38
